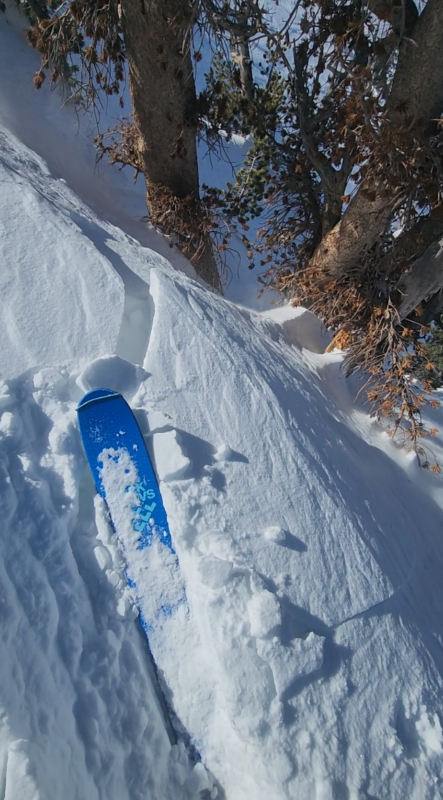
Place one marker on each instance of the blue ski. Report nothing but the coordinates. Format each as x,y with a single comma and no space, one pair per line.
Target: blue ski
125,478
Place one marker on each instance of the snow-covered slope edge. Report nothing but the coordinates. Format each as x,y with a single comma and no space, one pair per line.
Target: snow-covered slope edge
314,578
79,715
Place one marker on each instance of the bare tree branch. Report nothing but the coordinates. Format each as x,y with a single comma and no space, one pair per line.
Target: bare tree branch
333,180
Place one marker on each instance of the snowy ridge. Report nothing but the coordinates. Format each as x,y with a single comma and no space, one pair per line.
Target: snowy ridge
311,665
284,613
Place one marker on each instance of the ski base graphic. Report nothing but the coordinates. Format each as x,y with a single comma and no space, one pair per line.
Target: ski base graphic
125,479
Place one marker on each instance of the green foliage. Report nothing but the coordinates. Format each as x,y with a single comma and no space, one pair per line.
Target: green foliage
275,180
223,105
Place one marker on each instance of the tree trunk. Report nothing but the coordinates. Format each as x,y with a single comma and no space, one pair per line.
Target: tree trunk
425,278
411,244
241,55
417,93
418,80
163,97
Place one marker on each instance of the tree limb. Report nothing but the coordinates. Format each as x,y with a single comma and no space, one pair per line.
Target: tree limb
333,181
241,55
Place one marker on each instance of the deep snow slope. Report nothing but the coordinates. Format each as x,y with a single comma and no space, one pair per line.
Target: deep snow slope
80,716
312,568
310,665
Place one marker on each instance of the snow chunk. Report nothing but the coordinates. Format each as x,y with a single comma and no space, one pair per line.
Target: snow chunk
214,572
309,653
430,732
111,372
300,327
11,425
198,780
103,556
264,614
23,770
5,397
170,460
158,421
274,534
50,380
62,440
224,453
291,663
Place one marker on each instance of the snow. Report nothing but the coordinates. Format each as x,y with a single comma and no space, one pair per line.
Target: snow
35,275
170,459
264,614
274,533
307,660
113,372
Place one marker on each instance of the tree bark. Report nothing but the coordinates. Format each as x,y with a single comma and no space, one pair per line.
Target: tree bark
418,80
417,93
163,96
241,55
425,278
412,244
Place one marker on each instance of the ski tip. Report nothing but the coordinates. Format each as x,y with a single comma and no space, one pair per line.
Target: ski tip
95,396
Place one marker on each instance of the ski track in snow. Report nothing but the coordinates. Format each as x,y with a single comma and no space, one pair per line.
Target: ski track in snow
78,703
311,664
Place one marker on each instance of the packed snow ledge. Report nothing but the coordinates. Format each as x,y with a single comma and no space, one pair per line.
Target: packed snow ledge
311,549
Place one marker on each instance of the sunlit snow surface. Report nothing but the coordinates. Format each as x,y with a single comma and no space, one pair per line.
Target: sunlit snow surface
308,665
